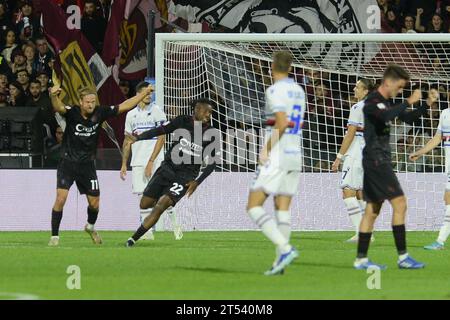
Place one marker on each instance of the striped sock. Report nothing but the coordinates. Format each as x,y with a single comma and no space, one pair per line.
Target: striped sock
354,211
269,228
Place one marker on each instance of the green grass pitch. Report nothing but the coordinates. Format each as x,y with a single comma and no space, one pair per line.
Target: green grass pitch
214,265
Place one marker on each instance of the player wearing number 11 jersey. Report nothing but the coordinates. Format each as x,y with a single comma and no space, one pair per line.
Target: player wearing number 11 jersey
280,161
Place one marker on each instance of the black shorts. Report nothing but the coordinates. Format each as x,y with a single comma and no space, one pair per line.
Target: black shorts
83,173
167,181
380,182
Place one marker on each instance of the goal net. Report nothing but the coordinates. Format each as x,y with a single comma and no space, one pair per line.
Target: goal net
234,71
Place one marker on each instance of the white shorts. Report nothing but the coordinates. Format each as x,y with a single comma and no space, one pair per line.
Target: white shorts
276,181
352,174
139,180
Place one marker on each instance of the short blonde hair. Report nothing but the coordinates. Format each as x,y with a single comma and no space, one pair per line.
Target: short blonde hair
86,91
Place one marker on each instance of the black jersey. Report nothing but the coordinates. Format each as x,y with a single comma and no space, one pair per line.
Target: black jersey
192,143
81,135
378,114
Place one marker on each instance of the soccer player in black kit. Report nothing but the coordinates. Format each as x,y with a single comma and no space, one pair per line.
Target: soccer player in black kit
194,143
380,182
79,147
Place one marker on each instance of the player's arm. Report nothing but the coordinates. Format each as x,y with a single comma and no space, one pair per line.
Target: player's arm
411,116
386,115
57,104
281,124
132,102
348,139
126,150
161,130
156,150
433,143
192,185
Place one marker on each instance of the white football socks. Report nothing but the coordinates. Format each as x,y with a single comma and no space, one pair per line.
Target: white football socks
145,213
269,228
354,211
284,223
444,232
172,215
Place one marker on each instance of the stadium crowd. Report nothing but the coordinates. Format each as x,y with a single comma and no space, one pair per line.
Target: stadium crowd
26,61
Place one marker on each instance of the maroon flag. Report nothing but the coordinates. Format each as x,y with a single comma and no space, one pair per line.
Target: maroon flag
80,66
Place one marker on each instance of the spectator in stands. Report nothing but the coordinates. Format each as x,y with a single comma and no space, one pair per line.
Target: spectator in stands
17,97
53,148
10,44
43,57
19,61
5,20
42,101
436,25
93,25
384,7
393,20
23,77
409,24
426,7
29,26
125,88
444,10
43,78
3,90
30,54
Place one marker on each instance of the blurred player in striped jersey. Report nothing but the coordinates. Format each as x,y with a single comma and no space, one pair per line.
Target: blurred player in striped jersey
146,155
351,152
280,161
442,134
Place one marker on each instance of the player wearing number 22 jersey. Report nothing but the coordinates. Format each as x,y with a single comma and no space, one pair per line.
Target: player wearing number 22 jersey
194,143
280,161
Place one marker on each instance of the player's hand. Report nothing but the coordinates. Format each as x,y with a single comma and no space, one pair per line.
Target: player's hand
414,156
419,11
336,164
192,186
415,97
123,172
263,157
148,169
149,89
55,90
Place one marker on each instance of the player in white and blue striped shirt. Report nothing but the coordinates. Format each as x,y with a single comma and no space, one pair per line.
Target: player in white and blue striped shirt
351,153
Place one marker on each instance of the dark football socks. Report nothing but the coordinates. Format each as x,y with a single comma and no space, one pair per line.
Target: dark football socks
363,244
400,238
56,222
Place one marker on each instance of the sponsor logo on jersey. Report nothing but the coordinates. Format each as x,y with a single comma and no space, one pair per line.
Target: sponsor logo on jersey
381,106
83,131
190,148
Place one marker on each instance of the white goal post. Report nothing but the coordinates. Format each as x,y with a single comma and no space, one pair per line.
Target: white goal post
233,70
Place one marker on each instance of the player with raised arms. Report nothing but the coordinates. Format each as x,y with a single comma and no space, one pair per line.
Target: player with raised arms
194,142
442,135
146,155
351,152
380,182
79,148
280,161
